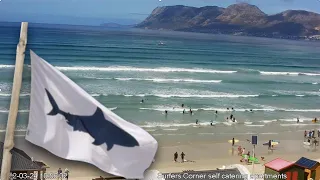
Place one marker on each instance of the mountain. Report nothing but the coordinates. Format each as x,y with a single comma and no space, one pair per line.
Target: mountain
242,19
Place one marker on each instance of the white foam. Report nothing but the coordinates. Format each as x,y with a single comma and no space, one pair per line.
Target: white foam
170,80
289,73
301,110
315,83
150,130
20,111
3,66
206,133
138,69
179,109
298,124
205,96
268,121
170,126
2,94
254,125
157,134
114,108
170,129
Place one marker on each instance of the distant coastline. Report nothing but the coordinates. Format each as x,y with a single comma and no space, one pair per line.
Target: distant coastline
239,19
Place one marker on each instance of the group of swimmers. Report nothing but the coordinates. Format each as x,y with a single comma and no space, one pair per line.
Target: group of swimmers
183,112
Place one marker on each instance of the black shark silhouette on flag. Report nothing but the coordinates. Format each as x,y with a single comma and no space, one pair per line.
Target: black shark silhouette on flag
99,128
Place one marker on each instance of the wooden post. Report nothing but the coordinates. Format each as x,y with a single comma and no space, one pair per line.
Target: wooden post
14,105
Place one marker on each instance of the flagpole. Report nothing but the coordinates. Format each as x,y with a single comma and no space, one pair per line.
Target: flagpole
14,105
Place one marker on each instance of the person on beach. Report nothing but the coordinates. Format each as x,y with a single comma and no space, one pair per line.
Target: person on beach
318,133
60,173
197,121
243,151
269,145
182,156
66,171
175,157
233,142
239,150
184,111
305,133
298,120
315,142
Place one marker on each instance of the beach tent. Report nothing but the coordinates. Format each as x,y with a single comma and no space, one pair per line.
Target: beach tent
282,169
311,168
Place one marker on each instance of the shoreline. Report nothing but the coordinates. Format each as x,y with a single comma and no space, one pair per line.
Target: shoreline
207,154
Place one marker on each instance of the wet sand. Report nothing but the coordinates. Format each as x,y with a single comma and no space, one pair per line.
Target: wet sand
206,152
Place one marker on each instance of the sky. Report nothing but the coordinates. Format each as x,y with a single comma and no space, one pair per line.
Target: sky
96,12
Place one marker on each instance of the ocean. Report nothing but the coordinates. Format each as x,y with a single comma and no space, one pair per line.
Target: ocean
277,79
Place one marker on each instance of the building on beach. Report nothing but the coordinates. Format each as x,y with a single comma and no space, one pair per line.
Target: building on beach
23,166
282,169
311,168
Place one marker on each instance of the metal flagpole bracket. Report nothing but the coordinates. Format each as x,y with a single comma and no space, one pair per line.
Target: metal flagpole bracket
14,105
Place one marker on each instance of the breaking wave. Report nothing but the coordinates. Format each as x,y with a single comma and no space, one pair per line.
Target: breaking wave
289,73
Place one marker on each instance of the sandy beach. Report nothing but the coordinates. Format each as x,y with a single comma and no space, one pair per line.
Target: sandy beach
205,155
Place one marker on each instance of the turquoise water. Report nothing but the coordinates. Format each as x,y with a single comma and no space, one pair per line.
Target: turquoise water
278,79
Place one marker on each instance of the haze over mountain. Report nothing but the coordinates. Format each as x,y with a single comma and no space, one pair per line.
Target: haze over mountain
241,19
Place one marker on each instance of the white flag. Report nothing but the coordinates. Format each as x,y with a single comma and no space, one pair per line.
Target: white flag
68,122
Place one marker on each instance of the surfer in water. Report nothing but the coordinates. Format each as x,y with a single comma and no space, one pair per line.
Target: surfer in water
142,101
234,119
231,116
298,120
184,111
182,105
190,111
197,121
166,112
